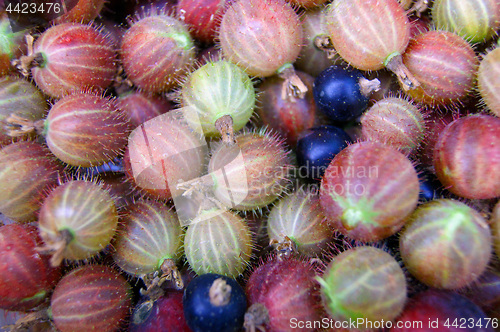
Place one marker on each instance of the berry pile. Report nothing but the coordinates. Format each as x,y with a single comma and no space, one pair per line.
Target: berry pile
250,165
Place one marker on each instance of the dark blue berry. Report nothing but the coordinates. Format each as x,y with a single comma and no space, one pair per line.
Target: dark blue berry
337,94
430,187
204,313
316,147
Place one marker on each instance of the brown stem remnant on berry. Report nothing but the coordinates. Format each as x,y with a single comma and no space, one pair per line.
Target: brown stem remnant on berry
394,63
171,272
293,87
224,126
368,86
121,83
418,7
256,318
28,322
219,293
16,126
56,248
285,248
324,43
153,281
32,59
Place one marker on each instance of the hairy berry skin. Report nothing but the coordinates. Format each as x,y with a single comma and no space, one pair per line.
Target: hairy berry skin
364,196
475,20
85,129
21,98
218,241
368,33
75,56
467,157
444,63
363,282
258,166
92,298
202,16
440,240
260,35
287,289
86,211
155,52
151,235
26,276
214,90
27,172
395,122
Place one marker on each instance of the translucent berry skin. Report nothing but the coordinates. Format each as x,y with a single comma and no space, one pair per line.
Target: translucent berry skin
364,282
260,36
202,16
75,56
338,95
251,174
84,209
155,52
151,234
204,316
288,290
396,122
21,98
218,241
216,89
161,152
441,239
85,129
475,20
299,217
444,64
367,34
317,147
366,197
288,117
26,277
91,297
467,157
488,81
27,172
